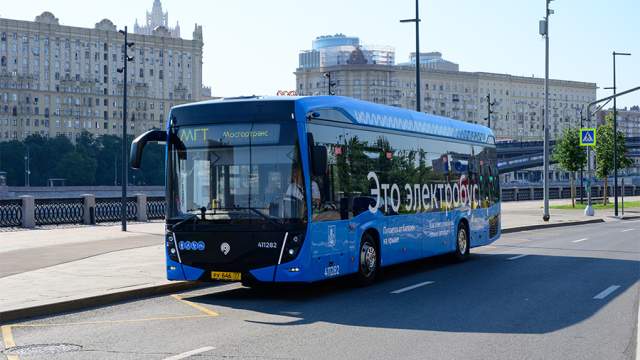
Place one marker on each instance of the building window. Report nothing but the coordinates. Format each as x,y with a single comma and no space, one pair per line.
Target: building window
160,75
141,73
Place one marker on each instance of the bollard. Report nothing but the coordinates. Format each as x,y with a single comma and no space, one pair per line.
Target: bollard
89,205
28,211
141,202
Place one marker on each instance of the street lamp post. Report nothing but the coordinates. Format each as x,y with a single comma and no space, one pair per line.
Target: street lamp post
544,31
489,111
123,69
330,84
417,21
615,137
27,168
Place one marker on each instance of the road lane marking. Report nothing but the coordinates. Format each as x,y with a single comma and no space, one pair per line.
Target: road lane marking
9,342
625,230
606,292
580,240
404,289
517,257
114,321
185,355
195,306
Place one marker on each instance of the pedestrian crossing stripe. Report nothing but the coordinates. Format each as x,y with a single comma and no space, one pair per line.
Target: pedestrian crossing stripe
588,137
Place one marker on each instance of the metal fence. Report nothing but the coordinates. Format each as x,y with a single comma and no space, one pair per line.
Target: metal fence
10,212
108,209
156,208
536,193
58,211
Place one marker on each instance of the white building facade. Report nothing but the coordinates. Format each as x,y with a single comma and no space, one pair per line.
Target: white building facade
61,80
517,113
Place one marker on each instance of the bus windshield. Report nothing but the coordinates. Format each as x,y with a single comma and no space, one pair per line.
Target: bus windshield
236,172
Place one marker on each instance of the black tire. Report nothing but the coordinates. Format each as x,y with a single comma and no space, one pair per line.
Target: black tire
368,261
462,243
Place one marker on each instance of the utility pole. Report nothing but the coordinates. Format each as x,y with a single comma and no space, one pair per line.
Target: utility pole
489,110
582,165
123,69
544,31
615,137
417,21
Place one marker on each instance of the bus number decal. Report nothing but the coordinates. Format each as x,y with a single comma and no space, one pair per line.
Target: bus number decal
333,270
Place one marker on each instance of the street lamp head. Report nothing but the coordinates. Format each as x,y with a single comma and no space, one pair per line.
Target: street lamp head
120,70
130,44
121,32
130,58
327,74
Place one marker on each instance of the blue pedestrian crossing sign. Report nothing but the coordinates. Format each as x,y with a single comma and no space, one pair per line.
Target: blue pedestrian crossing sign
588,137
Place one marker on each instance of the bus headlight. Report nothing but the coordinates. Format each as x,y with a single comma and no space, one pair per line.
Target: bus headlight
292,247
170,244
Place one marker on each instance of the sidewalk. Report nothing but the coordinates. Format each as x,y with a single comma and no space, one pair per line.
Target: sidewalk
518,215
56,270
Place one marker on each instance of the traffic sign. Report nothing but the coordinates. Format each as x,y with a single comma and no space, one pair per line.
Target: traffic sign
588,137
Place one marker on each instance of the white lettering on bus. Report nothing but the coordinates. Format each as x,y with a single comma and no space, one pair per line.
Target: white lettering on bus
422,196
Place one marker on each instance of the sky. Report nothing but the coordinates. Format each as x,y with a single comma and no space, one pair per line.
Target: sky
251,46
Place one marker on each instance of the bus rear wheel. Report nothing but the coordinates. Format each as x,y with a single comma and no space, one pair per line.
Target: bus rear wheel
462,243
368,261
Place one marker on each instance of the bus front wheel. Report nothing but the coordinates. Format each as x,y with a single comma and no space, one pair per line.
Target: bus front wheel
462,243
368,260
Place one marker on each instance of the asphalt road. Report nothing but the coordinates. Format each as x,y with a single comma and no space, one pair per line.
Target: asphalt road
561,293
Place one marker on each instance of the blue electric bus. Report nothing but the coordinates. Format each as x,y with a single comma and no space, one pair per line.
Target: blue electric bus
301,189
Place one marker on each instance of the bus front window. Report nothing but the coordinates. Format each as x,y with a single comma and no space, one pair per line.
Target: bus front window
235,172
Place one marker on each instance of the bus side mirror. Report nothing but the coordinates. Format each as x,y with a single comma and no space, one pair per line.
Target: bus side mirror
319,160
138,144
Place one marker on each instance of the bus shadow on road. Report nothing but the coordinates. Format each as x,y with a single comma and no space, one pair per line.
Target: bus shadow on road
487,294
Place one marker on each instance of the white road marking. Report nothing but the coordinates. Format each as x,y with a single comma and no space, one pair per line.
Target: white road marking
606,292
185,355
517,257
580,240
399,291
625,230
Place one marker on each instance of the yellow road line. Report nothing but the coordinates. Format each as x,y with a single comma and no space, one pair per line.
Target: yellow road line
114,321
195,306
9,342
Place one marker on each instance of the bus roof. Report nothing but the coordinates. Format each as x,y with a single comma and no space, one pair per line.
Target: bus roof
377,115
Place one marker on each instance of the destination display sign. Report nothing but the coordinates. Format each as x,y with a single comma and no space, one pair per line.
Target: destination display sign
230,134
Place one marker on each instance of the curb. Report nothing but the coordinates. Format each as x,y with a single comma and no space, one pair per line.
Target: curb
545,226
95,301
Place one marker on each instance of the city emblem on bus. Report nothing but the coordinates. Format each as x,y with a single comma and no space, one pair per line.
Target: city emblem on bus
225,248
331,236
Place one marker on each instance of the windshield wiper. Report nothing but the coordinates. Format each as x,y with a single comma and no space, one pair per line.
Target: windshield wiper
255,211
183,221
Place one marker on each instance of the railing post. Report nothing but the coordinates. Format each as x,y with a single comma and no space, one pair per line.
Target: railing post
515,195
141,200
532,192
28,211
89,204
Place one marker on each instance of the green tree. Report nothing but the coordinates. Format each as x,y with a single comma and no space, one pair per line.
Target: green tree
570,156
12,161
77,168
604,152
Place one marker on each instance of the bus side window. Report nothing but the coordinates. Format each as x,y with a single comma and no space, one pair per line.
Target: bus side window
324,188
